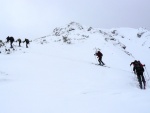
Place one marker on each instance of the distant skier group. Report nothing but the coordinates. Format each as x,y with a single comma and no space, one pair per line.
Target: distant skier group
11,40
138,69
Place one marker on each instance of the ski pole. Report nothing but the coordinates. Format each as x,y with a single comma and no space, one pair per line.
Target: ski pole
147,72
145,76
95,58
131,69
95,53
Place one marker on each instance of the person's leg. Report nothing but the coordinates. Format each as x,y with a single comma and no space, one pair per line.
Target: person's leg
99,61
27,44
102,61
143,79
139,79
134,69
11,45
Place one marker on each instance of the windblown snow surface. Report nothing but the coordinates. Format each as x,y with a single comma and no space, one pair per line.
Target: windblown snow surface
57,73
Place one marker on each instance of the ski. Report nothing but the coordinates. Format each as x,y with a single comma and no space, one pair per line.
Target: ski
101,65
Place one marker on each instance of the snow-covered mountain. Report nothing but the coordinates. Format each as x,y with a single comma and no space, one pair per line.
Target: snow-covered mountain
127,39
57,73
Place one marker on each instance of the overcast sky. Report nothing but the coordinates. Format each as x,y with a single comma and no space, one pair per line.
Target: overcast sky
35,18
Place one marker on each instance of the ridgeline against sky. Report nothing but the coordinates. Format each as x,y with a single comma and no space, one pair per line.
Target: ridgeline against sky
32,19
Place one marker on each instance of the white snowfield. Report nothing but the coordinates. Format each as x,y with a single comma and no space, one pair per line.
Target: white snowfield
55,75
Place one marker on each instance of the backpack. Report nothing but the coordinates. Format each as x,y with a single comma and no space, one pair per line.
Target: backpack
138,66
27,41
99,54
11,39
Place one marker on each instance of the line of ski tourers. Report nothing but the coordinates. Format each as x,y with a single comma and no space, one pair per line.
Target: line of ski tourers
138,69
11,40
137,66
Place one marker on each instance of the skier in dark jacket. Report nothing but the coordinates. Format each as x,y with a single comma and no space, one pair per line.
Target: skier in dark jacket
27,42
134,63
138,68
19,40
99,56
11,39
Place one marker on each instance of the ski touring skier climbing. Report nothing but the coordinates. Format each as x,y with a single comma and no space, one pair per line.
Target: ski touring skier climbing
99,56
139,70
11,39
134,63
19,40
27,42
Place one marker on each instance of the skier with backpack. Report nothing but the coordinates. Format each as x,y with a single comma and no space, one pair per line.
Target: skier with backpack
133,63
99,56
11,39
19,40
27,42
138,70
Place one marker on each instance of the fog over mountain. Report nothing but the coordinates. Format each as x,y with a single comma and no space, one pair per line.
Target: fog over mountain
35,18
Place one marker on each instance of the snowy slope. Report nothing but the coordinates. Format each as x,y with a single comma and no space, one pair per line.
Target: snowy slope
55,75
